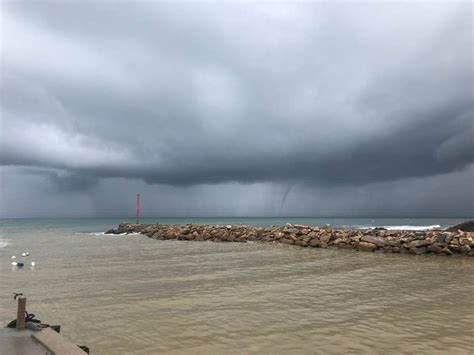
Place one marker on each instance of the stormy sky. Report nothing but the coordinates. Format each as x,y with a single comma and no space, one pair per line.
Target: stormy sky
236,108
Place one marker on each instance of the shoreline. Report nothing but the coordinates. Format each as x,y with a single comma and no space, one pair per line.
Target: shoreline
435,242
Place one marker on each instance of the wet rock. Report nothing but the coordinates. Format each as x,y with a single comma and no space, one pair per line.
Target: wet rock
447,251
306,239
301,243
434,249
300,226
314,243
454,242
407,239
325,238
441,239
189,237
393,242
391,249
355,239
287,241
417,243
374,240
418,251
279,235
366,246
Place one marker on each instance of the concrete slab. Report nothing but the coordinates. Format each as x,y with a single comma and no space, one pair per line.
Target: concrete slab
55,343
14,342
31,342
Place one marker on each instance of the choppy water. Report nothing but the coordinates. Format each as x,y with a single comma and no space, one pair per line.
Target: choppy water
135,295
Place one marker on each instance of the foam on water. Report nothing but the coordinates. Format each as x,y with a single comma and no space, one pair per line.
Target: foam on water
400,228
90,233
413,228
4,243
103,233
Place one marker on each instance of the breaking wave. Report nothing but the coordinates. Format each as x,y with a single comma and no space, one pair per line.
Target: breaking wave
90,233
410,228
103,233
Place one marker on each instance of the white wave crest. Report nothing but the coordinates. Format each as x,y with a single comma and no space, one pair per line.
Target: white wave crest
411,228
90,233
104,233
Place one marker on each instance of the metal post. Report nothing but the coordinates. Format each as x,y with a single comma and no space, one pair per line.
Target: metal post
21,313
138,208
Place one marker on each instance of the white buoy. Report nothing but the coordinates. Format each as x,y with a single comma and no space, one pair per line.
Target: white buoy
13,257
27,253
32,263
14,263
23,254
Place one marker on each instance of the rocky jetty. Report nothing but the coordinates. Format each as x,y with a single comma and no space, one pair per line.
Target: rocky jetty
371,240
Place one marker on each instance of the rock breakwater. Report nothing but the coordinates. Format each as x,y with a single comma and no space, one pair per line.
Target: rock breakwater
373,240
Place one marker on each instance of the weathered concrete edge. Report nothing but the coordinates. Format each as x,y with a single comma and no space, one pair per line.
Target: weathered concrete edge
56,343
437,242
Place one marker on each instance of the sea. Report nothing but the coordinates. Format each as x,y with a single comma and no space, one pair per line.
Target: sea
129,294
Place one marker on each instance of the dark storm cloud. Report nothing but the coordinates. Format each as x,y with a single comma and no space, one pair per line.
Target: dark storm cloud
64,181
319,94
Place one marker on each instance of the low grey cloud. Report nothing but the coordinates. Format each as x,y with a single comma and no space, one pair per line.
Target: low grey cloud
298,95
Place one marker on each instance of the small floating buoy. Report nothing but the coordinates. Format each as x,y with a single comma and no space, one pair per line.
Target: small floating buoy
13,257
32,263
14,263
27,253
23,254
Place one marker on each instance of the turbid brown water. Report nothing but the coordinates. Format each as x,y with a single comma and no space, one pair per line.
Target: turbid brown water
135,295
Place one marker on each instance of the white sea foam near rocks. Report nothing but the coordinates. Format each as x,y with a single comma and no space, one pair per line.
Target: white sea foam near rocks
411,228
103,233
90,233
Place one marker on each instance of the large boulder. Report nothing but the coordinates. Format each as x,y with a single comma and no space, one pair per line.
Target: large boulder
366,246
465,227
374,240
